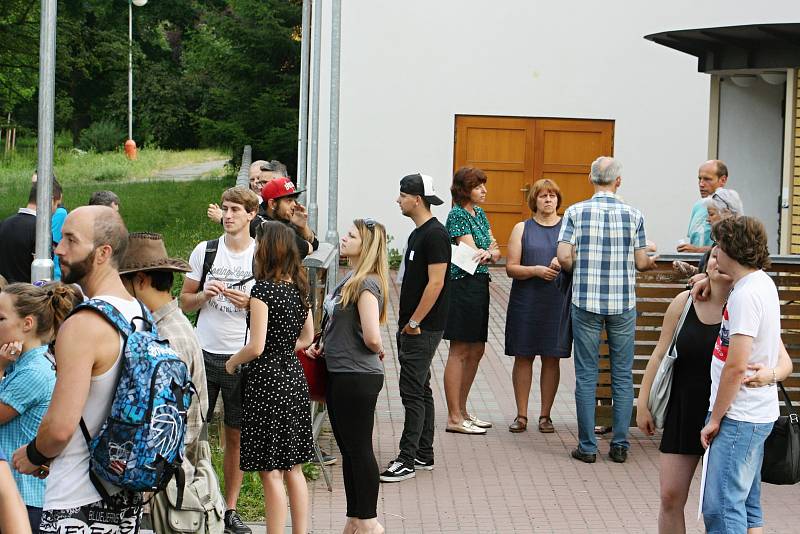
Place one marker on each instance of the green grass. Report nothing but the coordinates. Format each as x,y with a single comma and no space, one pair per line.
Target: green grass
72,167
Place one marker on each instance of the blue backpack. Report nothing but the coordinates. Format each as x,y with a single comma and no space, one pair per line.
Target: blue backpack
140,446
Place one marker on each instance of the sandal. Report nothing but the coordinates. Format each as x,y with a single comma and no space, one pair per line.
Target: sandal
546,425
520,424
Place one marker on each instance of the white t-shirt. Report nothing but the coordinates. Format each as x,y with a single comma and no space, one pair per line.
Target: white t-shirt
753,310
221,326
68,485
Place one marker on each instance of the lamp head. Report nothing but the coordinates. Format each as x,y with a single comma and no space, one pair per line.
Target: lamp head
139,3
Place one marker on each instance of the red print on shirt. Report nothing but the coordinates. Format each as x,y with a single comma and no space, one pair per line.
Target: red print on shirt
723,340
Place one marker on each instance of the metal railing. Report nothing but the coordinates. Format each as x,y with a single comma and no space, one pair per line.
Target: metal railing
243,178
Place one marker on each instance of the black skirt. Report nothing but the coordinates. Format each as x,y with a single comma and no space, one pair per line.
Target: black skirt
468,316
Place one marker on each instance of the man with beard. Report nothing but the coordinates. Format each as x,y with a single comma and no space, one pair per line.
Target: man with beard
280,204
89,360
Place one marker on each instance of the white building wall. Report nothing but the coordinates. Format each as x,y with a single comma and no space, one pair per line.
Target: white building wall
409,67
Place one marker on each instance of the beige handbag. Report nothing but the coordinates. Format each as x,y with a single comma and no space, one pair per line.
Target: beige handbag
202,509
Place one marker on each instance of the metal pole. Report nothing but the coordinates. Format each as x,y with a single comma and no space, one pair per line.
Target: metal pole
302,141
243,178
332,236
313,206
42,267
130,69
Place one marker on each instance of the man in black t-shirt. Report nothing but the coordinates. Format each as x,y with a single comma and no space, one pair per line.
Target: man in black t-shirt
422,317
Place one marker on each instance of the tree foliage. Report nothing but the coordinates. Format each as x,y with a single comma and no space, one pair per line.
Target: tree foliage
206,72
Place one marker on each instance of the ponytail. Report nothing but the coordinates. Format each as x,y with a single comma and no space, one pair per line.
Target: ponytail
49,304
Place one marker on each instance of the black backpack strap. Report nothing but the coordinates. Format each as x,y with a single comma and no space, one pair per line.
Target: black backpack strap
98,485
208,260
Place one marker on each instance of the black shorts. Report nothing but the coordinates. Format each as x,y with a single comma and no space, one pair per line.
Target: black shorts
218,380
468,316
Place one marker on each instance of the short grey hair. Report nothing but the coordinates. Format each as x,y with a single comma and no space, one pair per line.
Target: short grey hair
725,200
103,198
277,167
605,170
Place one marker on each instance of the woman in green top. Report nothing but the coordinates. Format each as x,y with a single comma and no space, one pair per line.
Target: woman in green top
468,318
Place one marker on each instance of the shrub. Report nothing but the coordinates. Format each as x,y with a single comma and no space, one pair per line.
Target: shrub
102,136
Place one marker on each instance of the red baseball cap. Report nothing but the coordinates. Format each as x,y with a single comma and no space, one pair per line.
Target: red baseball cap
279,188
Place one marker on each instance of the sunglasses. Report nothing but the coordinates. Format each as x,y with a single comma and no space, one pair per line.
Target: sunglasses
715,196
369,223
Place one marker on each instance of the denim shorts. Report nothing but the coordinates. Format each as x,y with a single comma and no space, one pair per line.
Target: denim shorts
732,498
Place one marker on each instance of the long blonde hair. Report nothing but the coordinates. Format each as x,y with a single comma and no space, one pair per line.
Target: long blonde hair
373,260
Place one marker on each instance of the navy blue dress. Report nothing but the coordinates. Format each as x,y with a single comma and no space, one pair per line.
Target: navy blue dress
538,316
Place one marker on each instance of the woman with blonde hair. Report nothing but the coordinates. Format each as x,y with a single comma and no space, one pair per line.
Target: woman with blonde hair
353,351
29,318
276,422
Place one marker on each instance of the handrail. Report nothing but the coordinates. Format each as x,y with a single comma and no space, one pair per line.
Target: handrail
243,178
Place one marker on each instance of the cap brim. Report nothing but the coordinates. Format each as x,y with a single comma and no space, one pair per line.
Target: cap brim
434,200
287,195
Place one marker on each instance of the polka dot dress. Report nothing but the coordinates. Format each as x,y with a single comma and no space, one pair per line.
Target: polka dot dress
276,420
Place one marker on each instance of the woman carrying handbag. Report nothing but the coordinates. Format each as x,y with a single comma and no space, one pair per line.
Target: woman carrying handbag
353,351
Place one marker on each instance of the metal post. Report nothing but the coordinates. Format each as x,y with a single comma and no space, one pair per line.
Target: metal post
243,178
302,138
130,69
313,206
332,236
42,267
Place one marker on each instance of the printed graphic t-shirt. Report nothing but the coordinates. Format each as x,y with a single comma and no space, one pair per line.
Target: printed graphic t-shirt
753,310
221,326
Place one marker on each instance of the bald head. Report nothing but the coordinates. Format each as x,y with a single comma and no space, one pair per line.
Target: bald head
104,226
255,168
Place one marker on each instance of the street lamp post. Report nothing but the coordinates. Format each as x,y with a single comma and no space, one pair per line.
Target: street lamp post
130,144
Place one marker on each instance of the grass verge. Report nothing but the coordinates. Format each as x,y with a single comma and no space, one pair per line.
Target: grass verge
72,167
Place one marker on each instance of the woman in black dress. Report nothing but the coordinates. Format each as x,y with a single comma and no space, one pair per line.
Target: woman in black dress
538,316
276,422
688,400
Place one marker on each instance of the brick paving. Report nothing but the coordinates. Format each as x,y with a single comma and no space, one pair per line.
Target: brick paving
504,482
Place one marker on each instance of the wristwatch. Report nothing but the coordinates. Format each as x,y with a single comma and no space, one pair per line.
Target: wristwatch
412,324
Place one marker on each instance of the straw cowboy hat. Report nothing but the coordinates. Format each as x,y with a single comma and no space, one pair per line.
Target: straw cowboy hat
146,252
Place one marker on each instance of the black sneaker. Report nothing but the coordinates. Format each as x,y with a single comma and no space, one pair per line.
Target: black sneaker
327,459
234,524
585,457
618,454
398,471
424,465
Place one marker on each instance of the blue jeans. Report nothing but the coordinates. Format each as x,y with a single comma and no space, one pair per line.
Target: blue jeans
732,499
586,328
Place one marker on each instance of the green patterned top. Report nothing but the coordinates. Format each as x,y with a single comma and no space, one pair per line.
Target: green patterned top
461,222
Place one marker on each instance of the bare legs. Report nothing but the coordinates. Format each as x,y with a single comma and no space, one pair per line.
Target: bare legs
459,374
675,477
275,499
522,378
230,466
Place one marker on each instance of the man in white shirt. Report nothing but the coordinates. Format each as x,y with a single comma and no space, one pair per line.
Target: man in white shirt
741,417
220,292
88,357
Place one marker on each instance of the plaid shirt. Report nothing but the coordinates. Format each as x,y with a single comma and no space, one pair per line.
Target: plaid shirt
605,232
173,325
27,388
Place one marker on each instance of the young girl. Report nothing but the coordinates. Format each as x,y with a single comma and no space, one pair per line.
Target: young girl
353,352
29,318
276,421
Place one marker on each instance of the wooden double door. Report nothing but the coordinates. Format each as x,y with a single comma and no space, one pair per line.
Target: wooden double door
516,152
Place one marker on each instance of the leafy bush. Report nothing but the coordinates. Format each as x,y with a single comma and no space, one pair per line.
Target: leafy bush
102,136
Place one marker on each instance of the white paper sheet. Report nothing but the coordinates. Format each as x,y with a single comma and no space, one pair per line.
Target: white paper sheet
463,256
703,484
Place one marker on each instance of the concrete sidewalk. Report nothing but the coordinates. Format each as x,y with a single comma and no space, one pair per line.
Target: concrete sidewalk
504,482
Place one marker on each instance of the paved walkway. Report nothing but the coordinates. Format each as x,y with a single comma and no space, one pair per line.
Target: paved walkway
187,173
505,482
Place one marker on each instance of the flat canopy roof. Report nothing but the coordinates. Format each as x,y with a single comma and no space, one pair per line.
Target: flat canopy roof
755,46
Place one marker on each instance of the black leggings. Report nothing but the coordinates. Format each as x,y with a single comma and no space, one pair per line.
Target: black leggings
351,399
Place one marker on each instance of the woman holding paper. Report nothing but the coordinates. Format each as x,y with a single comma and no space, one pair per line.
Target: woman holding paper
538,316
468,318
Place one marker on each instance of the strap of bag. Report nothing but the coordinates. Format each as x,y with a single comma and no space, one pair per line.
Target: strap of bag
786,399
680,324
98,485
208,262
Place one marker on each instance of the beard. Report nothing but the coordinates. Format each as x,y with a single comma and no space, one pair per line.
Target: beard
73,273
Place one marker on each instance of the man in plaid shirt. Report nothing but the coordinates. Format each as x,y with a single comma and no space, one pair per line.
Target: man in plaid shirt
602,242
